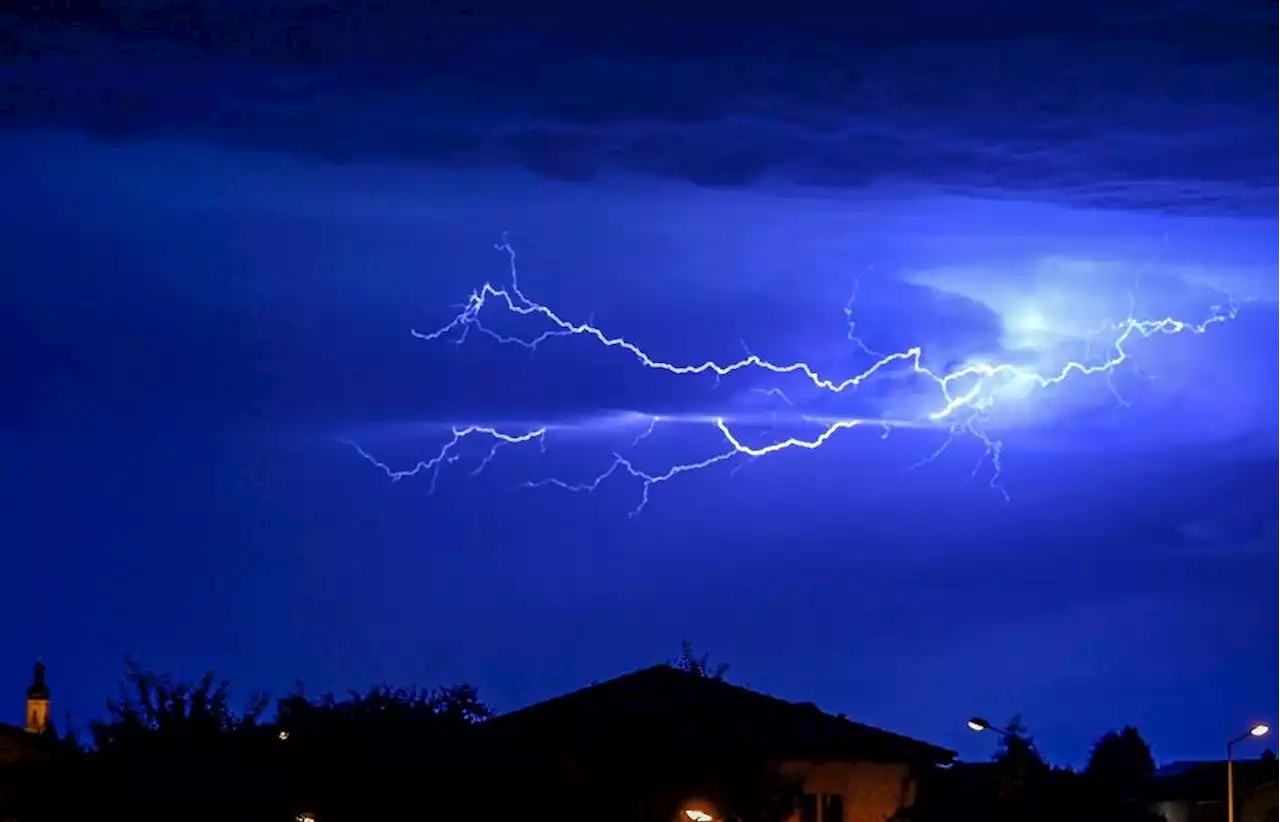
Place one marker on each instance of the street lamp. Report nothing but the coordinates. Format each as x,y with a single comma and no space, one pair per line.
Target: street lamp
697,810
1257,730
977,723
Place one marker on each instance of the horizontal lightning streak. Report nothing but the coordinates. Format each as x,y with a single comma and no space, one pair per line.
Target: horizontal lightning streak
960,410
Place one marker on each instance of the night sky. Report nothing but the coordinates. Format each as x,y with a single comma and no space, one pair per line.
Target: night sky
221,225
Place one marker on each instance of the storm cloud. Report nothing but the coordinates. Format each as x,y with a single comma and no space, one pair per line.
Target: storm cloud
1137,105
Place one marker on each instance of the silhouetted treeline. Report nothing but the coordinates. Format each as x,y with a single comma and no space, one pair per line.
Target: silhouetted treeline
169,750
174,750
1019,786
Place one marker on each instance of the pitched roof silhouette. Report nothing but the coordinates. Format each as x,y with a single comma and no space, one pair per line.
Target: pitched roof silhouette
665,702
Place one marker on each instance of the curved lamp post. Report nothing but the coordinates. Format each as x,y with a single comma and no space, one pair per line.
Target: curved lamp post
1257,730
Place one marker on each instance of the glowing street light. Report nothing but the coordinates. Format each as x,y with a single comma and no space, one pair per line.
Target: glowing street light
977,723
1258,730
697,810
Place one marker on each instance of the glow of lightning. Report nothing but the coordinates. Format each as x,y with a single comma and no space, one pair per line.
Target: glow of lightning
960,409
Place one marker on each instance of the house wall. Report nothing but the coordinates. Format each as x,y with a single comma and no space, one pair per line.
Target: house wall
1173,811
1257,806
17,744
1260,805
873,792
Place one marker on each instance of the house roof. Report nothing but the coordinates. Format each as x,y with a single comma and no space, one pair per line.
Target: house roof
19,743
664,701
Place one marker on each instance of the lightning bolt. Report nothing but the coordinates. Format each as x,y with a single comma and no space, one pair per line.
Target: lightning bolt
852,325
965,395
448,453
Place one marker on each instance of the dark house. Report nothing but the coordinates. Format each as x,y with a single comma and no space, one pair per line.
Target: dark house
1197,791
663,744
19,745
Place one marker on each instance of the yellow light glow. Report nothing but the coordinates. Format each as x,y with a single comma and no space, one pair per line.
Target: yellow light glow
284,734
976,726
696,815
1260,730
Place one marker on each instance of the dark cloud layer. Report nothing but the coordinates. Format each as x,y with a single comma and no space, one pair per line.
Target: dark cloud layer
1149,105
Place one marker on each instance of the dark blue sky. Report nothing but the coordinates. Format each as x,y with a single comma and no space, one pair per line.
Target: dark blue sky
220,228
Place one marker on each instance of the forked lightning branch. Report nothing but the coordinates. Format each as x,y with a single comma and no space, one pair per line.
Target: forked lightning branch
962,404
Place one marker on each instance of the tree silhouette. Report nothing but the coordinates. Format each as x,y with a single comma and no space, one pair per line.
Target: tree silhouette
1019,764
382,710
166,749
1120,763
691,663
155,707
460,703
378,754
1016,745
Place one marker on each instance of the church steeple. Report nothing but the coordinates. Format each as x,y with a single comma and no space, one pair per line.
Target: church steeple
38,701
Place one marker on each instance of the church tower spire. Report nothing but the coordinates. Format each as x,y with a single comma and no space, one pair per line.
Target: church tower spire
38,701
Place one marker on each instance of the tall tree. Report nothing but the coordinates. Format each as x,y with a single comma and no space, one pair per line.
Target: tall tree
1019,763
1016,744
1120,762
